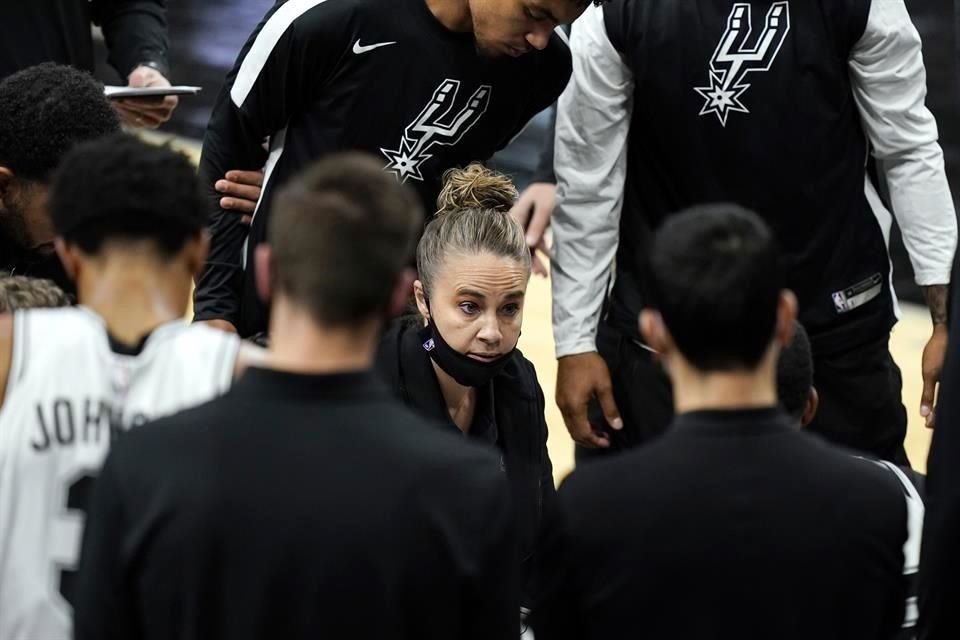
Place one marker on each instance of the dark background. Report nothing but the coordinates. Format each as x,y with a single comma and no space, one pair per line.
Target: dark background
206,36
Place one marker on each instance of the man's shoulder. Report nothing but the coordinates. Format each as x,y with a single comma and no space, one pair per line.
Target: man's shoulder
170,437
630,471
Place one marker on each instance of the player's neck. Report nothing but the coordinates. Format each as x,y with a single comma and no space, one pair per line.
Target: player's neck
453,14
695,390
299,345
134,296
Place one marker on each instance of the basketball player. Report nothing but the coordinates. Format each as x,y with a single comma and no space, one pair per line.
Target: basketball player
129,220
940,555
734,524
307,503
777,106
425,85
45,111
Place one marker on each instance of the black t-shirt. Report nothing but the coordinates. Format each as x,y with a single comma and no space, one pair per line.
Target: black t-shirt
60,31
381,76
294,507
732,525
770,123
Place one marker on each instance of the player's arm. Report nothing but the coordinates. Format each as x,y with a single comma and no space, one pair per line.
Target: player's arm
890,86
593,120
135,32
939,574
283,64
6,352
136,35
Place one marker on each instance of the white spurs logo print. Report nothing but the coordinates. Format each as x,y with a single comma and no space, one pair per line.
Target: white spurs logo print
434,127
738,54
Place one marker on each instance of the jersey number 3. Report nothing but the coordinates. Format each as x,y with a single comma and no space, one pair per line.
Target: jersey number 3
79,494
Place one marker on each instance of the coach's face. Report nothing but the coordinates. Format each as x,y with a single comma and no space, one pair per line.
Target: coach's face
516,27
476,304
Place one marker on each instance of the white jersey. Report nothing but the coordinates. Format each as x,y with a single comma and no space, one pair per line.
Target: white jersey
68,396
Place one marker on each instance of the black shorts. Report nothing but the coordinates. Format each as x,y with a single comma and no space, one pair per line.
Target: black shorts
641,390
860,405
860,400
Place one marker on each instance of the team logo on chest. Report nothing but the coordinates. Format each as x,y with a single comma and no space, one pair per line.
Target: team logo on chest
436,126
739,54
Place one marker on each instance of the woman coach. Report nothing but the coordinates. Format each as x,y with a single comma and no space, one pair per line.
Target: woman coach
457,359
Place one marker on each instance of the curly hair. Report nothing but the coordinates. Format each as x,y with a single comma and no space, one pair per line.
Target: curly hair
120,187
21,292
44,112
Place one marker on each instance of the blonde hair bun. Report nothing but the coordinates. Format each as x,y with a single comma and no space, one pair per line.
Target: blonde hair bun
476,187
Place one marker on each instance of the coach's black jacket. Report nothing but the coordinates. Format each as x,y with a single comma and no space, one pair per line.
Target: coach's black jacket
520,427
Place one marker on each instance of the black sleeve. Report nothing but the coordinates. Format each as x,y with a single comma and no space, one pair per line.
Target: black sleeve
939,577
283,64
135,32
544,171
102,610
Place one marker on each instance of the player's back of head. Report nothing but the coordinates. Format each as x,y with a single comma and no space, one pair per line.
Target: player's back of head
795,374
713,275
340,235
21,292
118,190
45,111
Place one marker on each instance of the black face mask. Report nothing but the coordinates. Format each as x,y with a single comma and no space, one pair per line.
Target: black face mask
460,367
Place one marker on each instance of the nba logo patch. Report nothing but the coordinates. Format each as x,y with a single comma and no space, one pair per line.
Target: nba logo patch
428,345
839,301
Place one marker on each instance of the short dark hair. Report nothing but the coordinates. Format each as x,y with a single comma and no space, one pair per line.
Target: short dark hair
121,188
21,292
713,275
795,373
44,112
341,232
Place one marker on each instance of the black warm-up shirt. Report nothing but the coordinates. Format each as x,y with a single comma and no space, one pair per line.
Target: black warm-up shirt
381,76
736,525
35,31
298,506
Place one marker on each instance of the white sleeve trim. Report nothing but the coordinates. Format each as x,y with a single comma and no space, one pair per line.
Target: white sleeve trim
258,55
593,120
890,86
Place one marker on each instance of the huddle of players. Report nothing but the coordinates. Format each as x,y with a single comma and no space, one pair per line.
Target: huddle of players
307,501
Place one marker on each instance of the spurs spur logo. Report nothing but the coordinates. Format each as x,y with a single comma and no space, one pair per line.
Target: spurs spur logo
434,126
738,54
